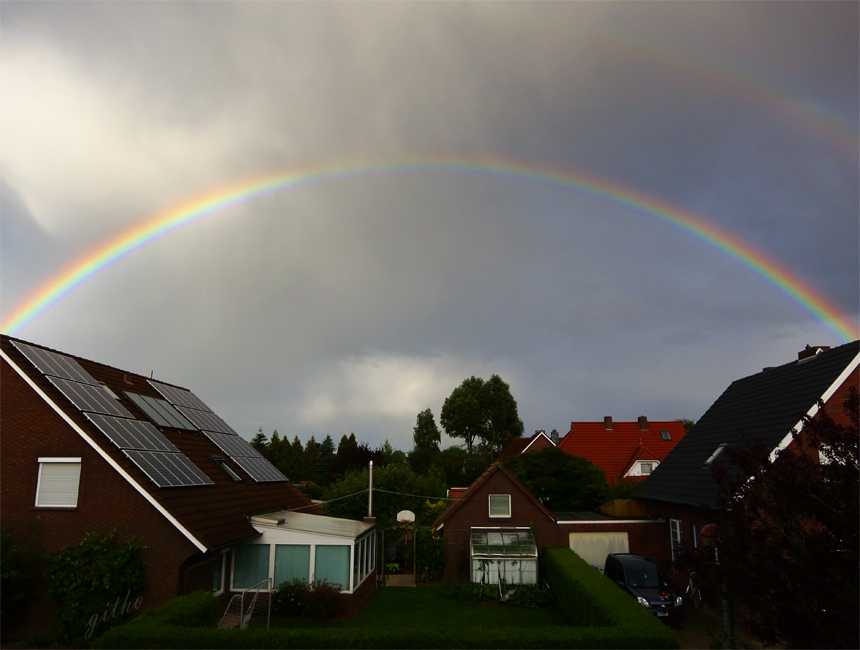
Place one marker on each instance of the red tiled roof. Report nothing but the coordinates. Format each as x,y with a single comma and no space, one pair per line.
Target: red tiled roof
615,450
216,514
492,469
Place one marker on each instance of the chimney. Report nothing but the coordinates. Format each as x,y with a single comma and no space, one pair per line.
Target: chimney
607,423
811,351
554,437
643,423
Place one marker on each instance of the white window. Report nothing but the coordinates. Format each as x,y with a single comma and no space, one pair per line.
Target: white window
675,530
500,505
218,573
59,479
716,453
646,468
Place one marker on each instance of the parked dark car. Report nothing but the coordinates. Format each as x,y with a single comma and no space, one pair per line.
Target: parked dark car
645,581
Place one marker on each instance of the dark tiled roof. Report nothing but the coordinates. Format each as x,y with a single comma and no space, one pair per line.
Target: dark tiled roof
214,514
615,450
765,406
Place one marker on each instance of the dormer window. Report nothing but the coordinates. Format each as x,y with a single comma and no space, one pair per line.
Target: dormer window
500,506
716,453
646,468
224,467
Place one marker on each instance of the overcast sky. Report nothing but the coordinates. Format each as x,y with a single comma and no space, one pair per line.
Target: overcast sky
351,305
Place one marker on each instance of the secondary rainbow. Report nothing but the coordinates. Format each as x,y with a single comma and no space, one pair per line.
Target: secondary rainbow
223,199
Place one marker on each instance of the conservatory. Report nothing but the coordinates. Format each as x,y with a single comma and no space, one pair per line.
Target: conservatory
506,554
313,548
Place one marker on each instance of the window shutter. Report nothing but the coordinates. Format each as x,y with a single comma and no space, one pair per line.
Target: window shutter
58,483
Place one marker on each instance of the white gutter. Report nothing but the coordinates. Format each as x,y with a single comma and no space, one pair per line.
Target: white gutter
786,441
146,495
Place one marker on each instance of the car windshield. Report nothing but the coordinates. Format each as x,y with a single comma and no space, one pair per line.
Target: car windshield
643,577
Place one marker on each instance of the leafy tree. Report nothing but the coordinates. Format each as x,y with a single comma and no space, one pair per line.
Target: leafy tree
787,535
561,481
390,455
688,424
346,443
452,460
392,486
426,437
482,410
310,456
18,562
355,458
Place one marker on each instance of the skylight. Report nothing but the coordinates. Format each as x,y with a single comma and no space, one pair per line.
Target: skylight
666,435
716,453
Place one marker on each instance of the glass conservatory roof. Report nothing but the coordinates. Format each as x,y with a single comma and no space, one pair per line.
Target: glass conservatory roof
503,543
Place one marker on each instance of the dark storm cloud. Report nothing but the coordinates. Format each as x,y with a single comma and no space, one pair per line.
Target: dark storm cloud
352,305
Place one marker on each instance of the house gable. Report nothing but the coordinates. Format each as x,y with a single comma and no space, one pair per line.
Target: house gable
765,406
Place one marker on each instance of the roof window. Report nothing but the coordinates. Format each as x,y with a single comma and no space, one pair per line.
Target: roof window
666,435
224,467
716,453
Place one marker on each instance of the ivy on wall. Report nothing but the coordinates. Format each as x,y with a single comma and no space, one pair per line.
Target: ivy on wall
97,583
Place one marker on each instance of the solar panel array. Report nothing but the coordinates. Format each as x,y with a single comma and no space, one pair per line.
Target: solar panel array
161,412
145,445
246,457
54,364
168,470
221,433
92,399
132,434
180,397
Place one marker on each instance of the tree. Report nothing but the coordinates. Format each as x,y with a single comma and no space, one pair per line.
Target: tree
482,410
355,457
426,437
259,442
326,453
559,480
688,424
392,456
394,487
787,535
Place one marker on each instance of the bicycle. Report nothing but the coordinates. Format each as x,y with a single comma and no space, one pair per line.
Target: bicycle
693,593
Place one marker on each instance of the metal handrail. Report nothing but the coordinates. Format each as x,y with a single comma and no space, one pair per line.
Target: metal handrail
245,615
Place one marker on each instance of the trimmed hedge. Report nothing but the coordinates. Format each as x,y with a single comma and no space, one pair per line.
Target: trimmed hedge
599,613
588,599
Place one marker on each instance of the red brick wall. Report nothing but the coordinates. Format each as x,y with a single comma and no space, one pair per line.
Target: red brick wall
353,602
29,429
476,513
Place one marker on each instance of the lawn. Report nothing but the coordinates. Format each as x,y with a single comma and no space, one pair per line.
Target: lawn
391,607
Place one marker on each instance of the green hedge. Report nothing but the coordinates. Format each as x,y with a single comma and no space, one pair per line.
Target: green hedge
587,598
599,613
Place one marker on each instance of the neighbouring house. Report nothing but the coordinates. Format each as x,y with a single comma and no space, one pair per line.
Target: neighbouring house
766,406
85,447
623,450
495,529
531,444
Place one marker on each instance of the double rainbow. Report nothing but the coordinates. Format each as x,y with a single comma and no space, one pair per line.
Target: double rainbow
223,199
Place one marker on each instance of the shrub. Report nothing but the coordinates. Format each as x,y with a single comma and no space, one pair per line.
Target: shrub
197,609
17,568
531,596
323,601
90,581
290,598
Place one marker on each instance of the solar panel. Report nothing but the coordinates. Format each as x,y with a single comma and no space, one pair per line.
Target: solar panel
206,421
168,470
132,434
55,365
233,446
260,469
161,412
180,397
94,399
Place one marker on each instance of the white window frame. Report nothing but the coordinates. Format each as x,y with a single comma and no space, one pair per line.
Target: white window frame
651,465
222,558
675,535
695,532
40,482
490,508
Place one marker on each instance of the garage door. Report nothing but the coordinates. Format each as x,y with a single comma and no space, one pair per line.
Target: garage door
594,547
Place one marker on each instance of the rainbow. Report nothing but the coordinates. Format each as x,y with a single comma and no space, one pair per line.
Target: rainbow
223,199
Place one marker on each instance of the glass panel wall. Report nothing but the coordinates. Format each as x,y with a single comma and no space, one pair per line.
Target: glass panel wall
292,561
251,565
331,563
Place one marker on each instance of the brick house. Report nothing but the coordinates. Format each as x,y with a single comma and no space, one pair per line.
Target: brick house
85,447
529,445
766,406
623,449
